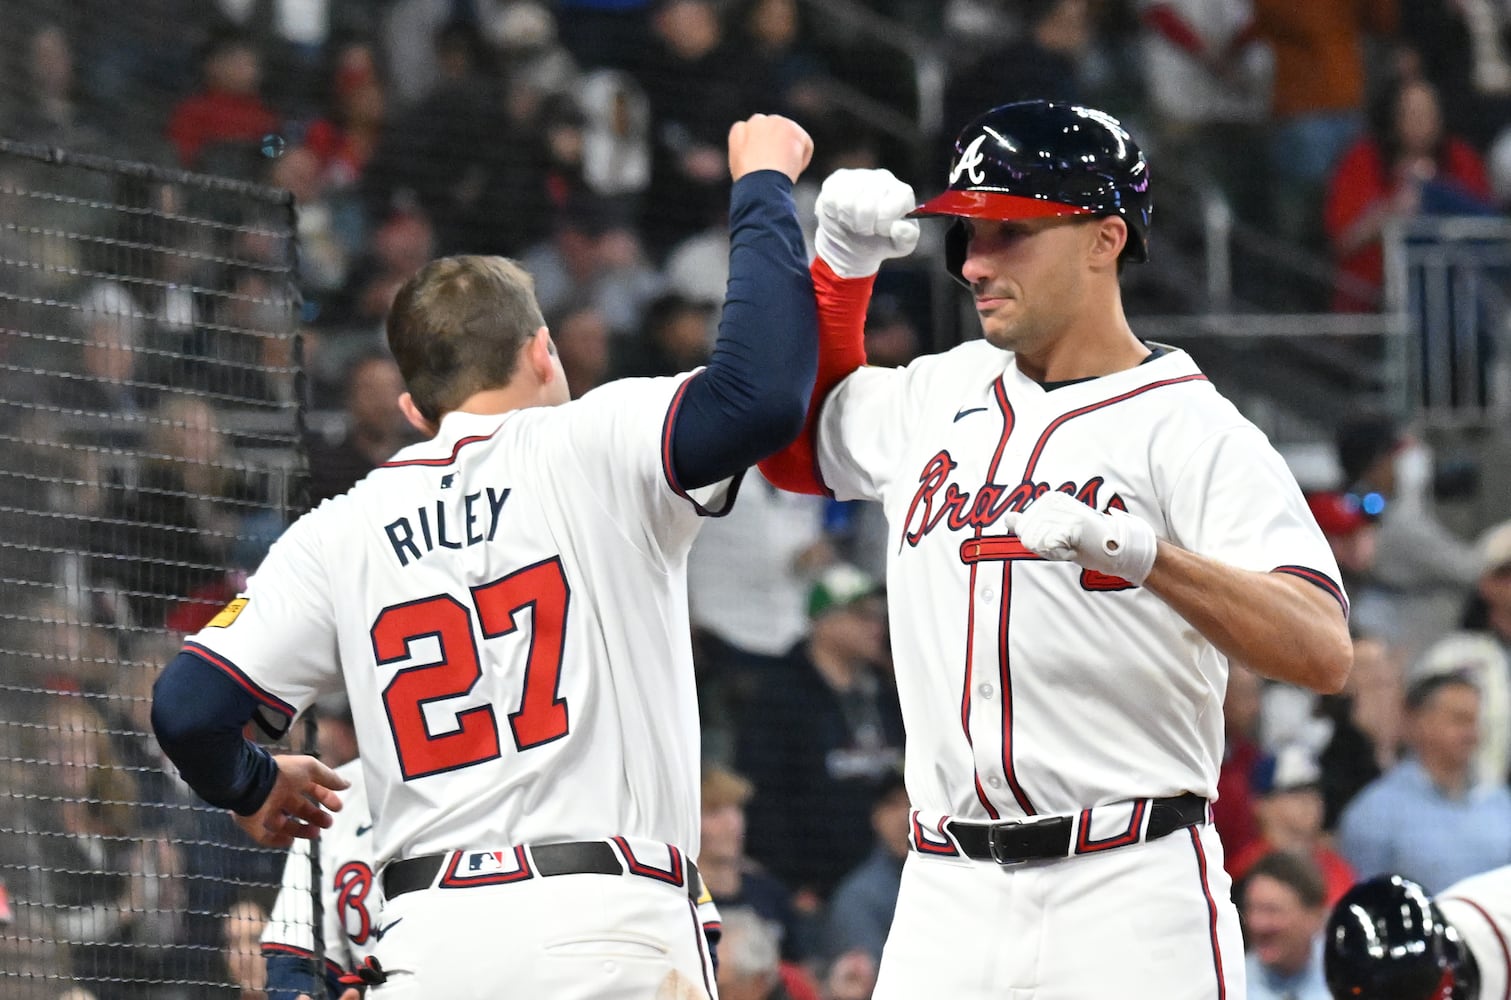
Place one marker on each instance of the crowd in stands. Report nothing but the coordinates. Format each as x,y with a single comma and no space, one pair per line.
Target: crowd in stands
585,139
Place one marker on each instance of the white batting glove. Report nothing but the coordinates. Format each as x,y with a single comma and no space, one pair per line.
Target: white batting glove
861,221
1057,526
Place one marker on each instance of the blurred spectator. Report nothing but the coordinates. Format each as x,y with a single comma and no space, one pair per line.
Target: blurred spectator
51,113
1366,726
400,247
1425,565
1233,812
331,229
609,33
373,430
228,107
675,336
1481,651
816,775
423,42
345,141
168,538
1405,166
852,976
1043,62
1318,103
1460,45
697,85
1284,909
593,256
115,898
788,68
748,621
616,135
750,967
581,335
242,944
294,38
1426,818
107,384
860,911
1210,85
892,339
523,34
733,878
1288,803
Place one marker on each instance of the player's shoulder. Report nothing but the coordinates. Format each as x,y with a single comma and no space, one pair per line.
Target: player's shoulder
1192,402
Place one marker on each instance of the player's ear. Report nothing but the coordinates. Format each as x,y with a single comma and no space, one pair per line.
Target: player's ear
1109,237
415,417
540,355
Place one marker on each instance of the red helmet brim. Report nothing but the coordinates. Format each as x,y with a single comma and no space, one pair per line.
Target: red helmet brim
994,205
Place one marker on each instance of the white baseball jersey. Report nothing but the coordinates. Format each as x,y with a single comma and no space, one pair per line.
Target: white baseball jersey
1480,907
1031,687
349,890
506,607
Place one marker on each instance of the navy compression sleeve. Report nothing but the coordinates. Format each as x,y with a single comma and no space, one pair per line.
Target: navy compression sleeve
751,399
198,713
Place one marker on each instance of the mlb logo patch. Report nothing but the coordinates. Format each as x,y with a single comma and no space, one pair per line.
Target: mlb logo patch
484,862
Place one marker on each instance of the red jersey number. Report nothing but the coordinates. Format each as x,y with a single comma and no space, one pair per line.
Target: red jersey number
542,714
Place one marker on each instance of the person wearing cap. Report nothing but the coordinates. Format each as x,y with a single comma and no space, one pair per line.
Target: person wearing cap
822,732
1287,786
1426,818
1284,905
1482,650
860,912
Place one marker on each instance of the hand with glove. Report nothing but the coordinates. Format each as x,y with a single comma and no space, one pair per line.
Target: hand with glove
862,221
1059,527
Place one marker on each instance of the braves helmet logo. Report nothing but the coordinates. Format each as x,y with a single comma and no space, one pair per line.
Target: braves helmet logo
970,162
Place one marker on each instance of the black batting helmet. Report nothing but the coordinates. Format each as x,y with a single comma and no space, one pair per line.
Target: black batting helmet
1386,940
1035,159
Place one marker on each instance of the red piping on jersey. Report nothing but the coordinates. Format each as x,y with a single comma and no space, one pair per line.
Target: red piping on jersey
1206,891
666,442
673,876
1505,951
234,672
923,845
1054,425
440,462
1084,843
1320,579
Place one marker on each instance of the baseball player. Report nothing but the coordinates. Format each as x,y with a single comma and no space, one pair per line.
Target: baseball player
505,605
1387,940
1083,533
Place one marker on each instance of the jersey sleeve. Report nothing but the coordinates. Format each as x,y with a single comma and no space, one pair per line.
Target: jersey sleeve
1235,500
278,638
619,438
861,427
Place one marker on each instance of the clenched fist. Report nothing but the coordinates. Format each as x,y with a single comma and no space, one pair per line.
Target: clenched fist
1057,526
768,142
862,221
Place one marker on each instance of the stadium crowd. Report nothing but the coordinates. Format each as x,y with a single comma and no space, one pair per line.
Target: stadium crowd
585,139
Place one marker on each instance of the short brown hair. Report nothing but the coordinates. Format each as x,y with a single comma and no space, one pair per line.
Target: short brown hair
456,328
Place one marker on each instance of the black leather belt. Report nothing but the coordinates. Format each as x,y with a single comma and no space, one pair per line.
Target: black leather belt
586,857
1038,839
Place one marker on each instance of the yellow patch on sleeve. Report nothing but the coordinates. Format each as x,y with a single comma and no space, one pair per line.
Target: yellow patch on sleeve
228,613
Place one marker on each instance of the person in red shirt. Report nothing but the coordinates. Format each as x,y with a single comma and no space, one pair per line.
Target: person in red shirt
1288,802
345,140
228,109
1406,165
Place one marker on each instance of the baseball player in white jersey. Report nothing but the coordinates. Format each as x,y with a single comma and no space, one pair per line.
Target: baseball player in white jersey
1083,532
505,606
1386,940
350,899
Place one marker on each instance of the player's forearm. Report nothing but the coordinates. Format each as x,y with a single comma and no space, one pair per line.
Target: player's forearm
1278,625
842,304
198,714
752,397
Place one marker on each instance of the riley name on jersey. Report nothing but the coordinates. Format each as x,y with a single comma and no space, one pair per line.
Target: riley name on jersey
432,528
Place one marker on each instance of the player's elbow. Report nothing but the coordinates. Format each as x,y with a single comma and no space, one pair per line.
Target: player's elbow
1332,659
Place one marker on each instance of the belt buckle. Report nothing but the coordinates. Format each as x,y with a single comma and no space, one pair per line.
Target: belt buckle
994,846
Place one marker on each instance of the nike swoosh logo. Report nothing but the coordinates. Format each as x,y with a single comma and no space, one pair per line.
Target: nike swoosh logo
363,829
378,934
966,413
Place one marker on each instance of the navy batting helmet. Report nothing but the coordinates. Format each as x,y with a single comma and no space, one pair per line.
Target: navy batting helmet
1386,940
1036,159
